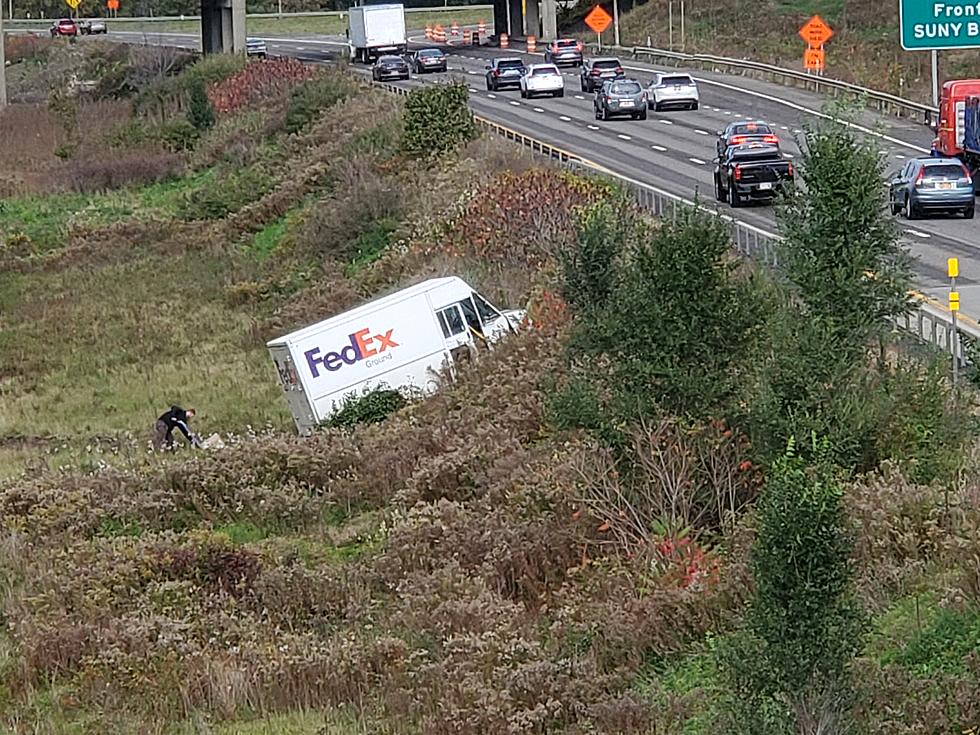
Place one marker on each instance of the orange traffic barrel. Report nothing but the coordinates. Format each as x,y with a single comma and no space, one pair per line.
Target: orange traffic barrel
504,41
531,44
428,31
439,34
467,37
481,28
454,28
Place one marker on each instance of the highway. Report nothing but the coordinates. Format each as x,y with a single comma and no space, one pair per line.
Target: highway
673,150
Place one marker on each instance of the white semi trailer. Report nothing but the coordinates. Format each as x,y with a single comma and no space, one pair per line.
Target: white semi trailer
403,341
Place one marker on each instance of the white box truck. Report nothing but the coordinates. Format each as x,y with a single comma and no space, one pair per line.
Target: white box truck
373,30
402,341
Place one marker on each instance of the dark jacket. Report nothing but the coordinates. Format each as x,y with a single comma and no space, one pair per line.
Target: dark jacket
176,418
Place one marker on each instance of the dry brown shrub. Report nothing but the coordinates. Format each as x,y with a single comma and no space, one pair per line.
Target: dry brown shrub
132,169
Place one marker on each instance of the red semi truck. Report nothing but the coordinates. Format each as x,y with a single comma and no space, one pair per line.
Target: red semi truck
958,131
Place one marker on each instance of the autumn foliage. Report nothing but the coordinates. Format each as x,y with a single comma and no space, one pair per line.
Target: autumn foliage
259,80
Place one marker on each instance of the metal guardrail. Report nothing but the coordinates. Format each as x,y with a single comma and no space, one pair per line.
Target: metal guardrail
928,322
880,101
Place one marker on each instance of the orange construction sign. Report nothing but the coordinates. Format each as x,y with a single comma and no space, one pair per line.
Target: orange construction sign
598,19
112,4
813,59
815,32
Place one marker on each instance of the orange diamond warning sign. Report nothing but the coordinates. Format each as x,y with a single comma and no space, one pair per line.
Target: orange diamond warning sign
598,19
815,32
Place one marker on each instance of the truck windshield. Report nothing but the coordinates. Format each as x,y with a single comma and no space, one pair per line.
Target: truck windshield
487,312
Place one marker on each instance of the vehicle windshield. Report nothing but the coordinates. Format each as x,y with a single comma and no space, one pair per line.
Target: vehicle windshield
624,88
487,312
545,71
510,64
431,52
605,64
946,170
680,80
751,129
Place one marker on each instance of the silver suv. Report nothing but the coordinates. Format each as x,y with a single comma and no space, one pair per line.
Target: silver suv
621,97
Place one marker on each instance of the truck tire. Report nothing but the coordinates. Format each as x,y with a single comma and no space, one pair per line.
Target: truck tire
733,198
968,212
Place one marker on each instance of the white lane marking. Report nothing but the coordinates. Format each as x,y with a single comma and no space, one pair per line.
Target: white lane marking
899,156
667,122
474,90
783,127
565,118
538,109
726,112
624,137
515,103
474,73
659,148
696,160
716,109
700,132
923,235
788,155
491,96
800,108
593,127
579,97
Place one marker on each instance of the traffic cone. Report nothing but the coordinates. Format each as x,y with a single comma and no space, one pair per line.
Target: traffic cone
504,41
531,44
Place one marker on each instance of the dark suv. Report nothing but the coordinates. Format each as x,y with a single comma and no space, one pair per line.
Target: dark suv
597,71
503,72
564,51
621,97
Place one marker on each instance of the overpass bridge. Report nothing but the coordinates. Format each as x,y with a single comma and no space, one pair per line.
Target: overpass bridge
223,22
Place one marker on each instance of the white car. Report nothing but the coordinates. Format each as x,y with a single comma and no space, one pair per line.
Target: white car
673,90
542,79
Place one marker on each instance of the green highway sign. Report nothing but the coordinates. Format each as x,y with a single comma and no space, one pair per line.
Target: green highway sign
939,24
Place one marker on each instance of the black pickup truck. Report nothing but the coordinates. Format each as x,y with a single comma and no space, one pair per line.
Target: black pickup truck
751,171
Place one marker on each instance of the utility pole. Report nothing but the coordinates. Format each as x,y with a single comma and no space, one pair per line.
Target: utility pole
683,39
670,24
935,78
616,21
3,65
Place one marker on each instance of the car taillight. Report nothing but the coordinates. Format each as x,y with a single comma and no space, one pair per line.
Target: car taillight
770,139
596,72
790,172
737,140
966,173
738,173
922,175
496,72
579,47
619,70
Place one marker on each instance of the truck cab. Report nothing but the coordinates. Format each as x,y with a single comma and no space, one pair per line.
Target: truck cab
958,129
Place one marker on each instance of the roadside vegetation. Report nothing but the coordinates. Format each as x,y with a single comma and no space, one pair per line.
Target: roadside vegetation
865,48
689,498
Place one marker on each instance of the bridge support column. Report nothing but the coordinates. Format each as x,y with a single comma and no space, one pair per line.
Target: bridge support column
532,25
549,20
223,26
516,25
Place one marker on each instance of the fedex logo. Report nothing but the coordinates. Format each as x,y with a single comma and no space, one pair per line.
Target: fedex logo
360,348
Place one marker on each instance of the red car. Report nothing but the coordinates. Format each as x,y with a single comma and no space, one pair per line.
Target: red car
64,27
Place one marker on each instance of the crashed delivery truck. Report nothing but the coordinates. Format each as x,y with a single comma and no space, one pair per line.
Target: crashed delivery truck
401,341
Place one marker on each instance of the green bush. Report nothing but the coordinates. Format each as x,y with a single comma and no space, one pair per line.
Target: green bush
308,100
219,198
791,662
370,408
201,112
437,119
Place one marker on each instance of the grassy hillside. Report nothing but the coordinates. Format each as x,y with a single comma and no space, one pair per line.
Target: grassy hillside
564,540
865,48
